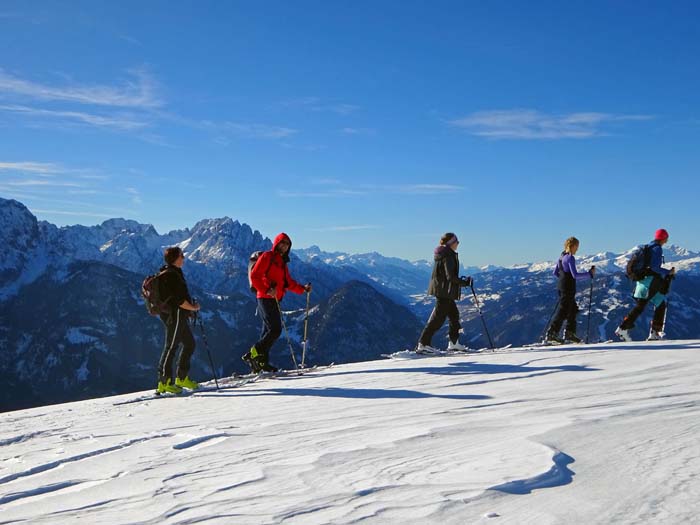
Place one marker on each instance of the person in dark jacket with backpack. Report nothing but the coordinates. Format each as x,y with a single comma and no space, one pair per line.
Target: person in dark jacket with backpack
446,286
173,290
652,286
567,275
271,279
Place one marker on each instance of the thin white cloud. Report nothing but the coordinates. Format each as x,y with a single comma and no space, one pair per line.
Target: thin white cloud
425,189
37,168
139,91
319,105
135,196
46,183
72,213
121,123
529,124
367,189
259,131
358,131
350,228
240,129
321,194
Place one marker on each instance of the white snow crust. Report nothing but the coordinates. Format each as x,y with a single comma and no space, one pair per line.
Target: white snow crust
582,434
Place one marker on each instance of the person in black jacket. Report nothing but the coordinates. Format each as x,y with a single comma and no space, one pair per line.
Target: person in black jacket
173,289
446,286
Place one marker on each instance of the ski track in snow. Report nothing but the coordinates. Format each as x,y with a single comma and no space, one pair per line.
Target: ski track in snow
580,434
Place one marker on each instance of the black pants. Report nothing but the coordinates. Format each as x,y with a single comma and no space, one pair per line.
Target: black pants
567,310
444,308
269,312
177,332
657,285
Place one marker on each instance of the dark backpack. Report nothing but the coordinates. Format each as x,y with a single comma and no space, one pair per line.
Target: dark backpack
638,263
150,290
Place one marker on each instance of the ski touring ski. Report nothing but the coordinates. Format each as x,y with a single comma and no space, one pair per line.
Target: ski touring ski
412,354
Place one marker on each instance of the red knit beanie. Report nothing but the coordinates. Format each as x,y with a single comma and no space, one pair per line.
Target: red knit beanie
661,235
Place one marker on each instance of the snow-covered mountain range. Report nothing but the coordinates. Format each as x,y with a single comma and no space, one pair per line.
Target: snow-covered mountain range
72,324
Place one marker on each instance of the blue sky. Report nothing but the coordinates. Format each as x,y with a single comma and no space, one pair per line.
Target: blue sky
360,126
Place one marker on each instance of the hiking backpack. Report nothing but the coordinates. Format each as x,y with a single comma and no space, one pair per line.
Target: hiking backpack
638,263
150,291
251,264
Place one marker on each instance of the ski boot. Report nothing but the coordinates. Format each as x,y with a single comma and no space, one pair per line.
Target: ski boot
553,339
251,361
656,335
168,388
456,347
623,334
186,383
267,367
571,337
426,349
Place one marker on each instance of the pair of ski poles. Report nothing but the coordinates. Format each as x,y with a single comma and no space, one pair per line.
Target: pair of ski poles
198,317
483,321
286,333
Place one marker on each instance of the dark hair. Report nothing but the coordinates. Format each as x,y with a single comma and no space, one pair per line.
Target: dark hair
172,254
447,237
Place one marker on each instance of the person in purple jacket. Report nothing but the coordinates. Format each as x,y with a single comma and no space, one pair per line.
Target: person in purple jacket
567,277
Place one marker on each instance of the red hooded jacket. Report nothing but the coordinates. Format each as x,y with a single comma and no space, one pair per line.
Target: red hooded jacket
271,270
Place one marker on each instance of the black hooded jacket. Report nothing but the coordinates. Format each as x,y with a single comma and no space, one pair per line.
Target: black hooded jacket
445,282
173,288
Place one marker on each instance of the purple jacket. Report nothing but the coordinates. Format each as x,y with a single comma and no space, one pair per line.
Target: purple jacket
568,265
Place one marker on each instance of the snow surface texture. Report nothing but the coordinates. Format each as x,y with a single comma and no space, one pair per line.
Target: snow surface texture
587,434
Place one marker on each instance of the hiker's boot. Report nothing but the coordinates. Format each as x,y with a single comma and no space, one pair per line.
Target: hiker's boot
553,338
426,349
456,347
168,388
186,383
571,337
623,333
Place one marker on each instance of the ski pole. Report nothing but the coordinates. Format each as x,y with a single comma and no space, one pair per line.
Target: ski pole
306,325
286,334
206,346
549,320
590,304
476,302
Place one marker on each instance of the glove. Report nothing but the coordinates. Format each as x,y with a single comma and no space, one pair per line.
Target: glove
466,281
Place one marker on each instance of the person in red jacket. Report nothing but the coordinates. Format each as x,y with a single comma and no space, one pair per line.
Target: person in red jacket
270,278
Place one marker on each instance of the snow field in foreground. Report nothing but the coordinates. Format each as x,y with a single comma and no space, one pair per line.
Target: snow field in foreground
584,434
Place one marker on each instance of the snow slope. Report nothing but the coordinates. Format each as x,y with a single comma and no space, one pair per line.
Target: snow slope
598,434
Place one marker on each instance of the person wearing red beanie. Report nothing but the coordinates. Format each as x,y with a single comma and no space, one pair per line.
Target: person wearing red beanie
661,235
652,287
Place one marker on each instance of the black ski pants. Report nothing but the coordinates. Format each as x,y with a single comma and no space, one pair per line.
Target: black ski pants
567,310
177,332
444,308
658,284
271,317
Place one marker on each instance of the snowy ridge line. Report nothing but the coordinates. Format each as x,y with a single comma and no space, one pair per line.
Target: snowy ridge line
199,442
55,464
556,476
